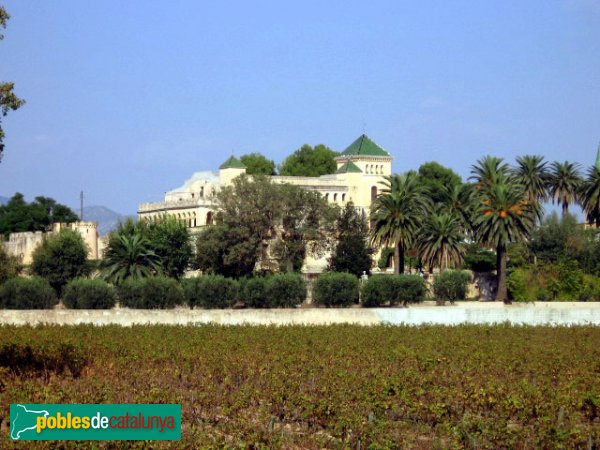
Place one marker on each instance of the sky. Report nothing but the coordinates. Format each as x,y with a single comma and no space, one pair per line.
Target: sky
125,100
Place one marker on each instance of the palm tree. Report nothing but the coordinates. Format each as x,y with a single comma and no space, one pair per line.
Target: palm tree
533,174
459,202
397,215
564,184
504,215
590,195
442,240
488,171
129,256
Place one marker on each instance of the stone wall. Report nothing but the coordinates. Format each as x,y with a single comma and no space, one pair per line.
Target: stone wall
541,313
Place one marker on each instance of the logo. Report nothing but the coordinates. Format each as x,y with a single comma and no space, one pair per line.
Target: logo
95,422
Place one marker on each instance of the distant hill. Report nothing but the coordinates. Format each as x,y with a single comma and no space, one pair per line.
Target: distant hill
107,219
4,200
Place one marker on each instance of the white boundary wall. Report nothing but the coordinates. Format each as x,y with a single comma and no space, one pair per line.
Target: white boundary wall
540,313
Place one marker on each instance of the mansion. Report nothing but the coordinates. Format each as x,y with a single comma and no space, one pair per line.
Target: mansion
361,169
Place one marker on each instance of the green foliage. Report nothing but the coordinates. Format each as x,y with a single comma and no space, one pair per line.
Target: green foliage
397,215
336,289
479,259
564,184
150,293
84,293
254,292
8,99
590,291
590,194
441,241
60,258
257,164
387,255
18,215
255,214
129,256
210,291
309,162
438,180
27,293
517,284
352,253
170,240
395,289
10,266
286,290
451,285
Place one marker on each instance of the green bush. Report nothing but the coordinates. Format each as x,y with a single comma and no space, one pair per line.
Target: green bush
412,289
518,283
451,285
210,291
60,258
393,288
479,259
286,290
336,289
590,292
27,293
83,293
150,293
254,293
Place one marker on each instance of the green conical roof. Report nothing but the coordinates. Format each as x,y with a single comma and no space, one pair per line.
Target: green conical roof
232,163
598,158
364,146
349,167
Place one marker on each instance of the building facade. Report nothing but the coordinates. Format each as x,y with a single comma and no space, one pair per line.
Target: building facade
361,169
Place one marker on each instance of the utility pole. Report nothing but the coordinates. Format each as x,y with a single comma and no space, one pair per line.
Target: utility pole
81,206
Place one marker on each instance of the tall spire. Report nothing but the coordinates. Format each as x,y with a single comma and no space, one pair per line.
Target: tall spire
598,158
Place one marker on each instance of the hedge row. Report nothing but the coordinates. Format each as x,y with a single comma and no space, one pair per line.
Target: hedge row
215,291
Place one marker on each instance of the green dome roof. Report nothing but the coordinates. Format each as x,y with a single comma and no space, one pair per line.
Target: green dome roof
232,163
364,146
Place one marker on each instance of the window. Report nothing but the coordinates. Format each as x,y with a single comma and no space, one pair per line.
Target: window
209,218
343,197
373,193
335,197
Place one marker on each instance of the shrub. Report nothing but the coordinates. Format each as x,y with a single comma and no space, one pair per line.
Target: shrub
393,288
83,293
27,293
60,258
590,292
479,259
150,293
286,290
336,289
517,283
254,292
450,285
10,266
210,291
412,289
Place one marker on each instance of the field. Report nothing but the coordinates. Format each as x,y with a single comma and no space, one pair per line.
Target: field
321,387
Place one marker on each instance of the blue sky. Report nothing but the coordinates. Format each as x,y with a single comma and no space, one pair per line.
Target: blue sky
125,100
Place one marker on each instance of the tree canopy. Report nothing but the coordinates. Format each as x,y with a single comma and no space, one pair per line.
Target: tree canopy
309,162
264,227
8,99
352,253
438,180
18,215
257,164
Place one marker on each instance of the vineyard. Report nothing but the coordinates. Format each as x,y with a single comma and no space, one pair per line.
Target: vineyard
483,387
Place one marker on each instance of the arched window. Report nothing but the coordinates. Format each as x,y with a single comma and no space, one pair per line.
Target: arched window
209,217
202,192
327,196
335,197
343,197
373,193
